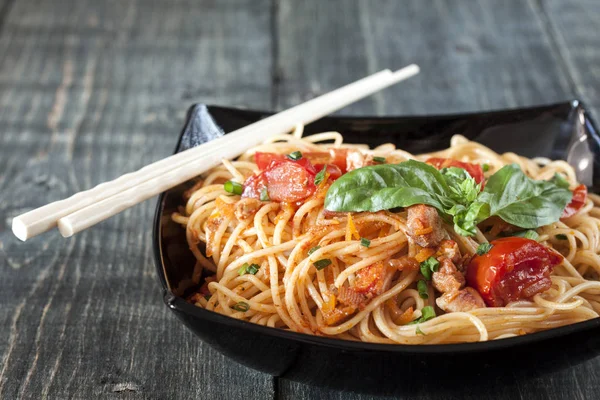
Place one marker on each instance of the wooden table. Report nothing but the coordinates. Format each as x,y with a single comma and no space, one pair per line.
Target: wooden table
90,89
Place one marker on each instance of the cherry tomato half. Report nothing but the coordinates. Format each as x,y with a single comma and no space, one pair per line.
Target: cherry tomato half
578,200
263,160
332,169
514,269
284,179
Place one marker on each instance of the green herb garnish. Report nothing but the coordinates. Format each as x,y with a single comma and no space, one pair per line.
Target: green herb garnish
422,288
313,250
483,248
233,187
428,267
320,264
485,167
427,313
380,160
241,306
320,176
264,195
365,242
252,269
243,269
295,156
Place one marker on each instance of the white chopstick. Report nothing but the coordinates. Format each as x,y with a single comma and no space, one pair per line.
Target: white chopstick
87,208
44,218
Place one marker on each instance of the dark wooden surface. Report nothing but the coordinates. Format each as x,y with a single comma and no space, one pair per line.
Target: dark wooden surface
91,89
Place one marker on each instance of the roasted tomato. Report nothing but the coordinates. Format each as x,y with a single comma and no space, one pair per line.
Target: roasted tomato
578,201
254,185
515,268
263,160
285,180
473,169
289,181
332,169
336,157
333,156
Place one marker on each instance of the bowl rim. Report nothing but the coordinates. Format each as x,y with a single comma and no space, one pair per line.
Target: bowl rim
179,305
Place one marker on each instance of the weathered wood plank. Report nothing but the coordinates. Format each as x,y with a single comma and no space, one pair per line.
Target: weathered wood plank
573,25
89,90
474,56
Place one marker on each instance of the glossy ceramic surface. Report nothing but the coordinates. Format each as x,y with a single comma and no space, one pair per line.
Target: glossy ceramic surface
562,131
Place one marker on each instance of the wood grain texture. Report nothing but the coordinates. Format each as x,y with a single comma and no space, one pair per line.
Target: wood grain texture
89,90
473,54
574,25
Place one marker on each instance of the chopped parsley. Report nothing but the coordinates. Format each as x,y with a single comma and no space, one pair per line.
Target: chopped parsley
365,242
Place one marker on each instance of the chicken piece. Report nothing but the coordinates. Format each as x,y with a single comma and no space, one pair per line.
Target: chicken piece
404,263
448,278
246,208
370,280
425,225
332,317
356,159
466,299
349,297
449,249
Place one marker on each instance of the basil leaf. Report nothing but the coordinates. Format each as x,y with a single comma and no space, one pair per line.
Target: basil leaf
522,201
386,186
463,188
466,219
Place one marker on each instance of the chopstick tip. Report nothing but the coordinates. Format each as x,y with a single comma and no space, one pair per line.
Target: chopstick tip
65,228
20,229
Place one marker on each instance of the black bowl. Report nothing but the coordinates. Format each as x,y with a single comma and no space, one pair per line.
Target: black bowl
562,131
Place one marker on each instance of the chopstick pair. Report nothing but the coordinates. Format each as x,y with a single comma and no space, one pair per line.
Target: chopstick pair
89,207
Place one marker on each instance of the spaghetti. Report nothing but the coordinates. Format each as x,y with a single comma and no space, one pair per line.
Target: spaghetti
289,265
